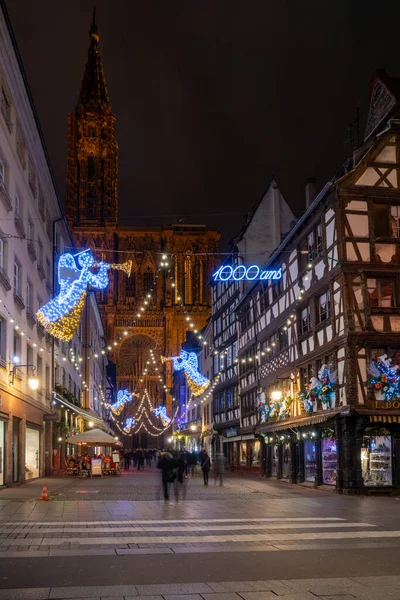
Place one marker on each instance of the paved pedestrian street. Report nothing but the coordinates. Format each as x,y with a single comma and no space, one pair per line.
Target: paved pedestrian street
247,540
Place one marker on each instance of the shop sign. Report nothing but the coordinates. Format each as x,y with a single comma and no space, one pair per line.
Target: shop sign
115,457
241,272
231,432
395,404
50,417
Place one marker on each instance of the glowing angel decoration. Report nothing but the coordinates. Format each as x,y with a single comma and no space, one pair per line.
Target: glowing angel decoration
60,316
123,397
187,361
129,423
161,411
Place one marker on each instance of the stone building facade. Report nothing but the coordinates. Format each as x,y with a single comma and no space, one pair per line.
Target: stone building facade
92,213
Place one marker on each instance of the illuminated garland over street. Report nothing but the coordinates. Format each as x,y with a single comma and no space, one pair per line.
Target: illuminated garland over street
61,315
187,361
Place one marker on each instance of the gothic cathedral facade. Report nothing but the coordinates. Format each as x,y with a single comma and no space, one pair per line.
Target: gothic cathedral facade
92,213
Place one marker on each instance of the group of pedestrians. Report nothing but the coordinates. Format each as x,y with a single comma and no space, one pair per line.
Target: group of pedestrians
138,458
177,467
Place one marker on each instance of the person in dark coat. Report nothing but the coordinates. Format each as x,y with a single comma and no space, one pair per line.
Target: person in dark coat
127,460
205,465
140,459
168,466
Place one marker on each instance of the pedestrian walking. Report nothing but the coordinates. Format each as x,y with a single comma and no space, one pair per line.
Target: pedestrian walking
168,466
205,465
219,468
127,460
140,459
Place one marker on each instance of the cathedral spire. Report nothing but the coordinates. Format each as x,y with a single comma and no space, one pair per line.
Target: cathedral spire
94,94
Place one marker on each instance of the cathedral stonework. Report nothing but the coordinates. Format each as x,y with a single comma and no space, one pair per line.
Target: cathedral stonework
92,213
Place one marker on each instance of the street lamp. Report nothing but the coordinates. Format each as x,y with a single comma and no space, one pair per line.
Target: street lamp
90,423
33,381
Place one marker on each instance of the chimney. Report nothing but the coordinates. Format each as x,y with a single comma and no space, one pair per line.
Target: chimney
311,191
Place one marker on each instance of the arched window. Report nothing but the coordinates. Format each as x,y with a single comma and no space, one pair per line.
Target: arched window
148,279
91,169
189,279
130,290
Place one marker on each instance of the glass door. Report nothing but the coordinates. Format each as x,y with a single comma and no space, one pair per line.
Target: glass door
32,453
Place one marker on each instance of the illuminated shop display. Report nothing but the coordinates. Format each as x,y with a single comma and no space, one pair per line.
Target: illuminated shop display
187,361
385,378
376,459
252,273
123,397
310,461
329,461
60,316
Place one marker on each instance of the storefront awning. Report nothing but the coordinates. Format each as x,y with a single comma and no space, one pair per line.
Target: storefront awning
238,438
384,419
82,412
298,422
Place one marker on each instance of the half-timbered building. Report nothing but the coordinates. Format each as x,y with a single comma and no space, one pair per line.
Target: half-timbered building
265,225
319,349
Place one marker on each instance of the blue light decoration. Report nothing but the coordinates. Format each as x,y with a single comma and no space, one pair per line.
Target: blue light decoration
187,361
60,316
129,423
241,272
385,378
123,397
161,412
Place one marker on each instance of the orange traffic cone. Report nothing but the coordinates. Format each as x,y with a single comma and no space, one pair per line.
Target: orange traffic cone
44,493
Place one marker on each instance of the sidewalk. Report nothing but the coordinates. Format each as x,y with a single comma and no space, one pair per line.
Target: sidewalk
340,588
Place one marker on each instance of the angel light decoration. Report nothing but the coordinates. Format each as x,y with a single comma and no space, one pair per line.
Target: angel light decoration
385,378
187,361
161,411
123,397
129,423
60,316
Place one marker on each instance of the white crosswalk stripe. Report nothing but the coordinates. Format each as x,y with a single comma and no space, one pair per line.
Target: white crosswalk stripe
187,535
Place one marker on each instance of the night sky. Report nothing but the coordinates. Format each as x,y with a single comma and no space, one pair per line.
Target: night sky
212,97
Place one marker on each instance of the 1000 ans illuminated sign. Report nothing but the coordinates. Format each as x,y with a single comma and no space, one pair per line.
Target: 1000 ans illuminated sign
252,273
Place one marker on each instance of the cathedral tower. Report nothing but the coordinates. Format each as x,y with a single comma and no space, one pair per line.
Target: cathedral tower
92,171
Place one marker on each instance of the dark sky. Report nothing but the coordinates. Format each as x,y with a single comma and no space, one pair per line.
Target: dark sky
212,97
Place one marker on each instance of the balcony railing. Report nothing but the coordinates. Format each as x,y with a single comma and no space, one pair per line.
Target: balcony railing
5,197
5,280
19,226
30,315
18,299
41,272
32,251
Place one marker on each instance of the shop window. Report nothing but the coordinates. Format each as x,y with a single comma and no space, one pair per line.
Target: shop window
310,461
329,461
395,221
286,460
274,460
256,453
381,293
376,460
243,454
324,307
305,320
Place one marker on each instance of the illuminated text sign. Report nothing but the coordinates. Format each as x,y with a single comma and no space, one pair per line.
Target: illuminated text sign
252,273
